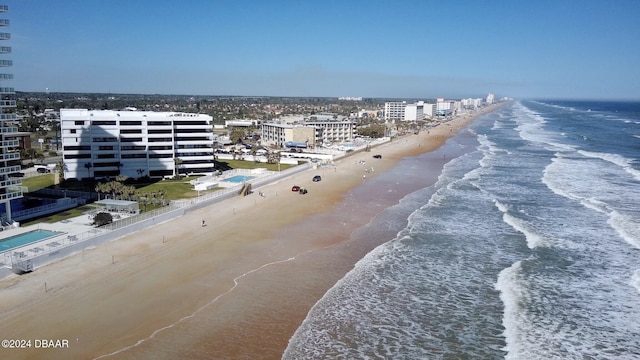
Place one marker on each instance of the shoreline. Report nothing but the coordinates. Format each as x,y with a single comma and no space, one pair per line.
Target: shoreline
237,288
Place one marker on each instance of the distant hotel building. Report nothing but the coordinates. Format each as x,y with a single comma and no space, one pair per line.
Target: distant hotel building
107,143
400,110
10,187
414,112
490,99
312,132
394,110
279,135
334,130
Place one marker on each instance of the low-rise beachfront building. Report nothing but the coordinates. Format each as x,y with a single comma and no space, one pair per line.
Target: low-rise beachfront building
330,131
275,134
242,123
107,143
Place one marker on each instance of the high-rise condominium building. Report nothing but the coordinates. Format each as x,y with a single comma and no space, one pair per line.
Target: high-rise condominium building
108,143
10,186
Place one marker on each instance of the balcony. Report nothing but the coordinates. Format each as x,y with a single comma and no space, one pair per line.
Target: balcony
5,36
9,130
10,169
9,143
5,49
7,103
11,156
8,117
11,195
7,90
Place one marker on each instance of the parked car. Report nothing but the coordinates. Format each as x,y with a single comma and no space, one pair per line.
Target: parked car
377,156
295,188
317,178
43,170
302,191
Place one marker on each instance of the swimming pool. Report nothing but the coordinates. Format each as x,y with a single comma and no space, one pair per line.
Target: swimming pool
239,178
26,238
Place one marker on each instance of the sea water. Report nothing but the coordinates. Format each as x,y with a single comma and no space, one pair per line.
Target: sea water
527,247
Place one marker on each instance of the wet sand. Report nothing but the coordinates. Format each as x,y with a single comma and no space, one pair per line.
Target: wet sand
235,289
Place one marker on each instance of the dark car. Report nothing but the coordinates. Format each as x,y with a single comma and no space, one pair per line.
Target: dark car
377,156
317,178
295,188
43,170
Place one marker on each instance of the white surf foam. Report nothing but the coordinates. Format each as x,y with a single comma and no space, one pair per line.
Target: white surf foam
616,159
534,240
635,280
511,292
627,227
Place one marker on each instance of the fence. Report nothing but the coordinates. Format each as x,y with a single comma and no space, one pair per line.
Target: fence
59,205
25,261
60,247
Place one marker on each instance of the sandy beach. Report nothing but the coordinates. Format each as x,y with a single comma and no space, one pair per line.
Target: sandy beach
237,288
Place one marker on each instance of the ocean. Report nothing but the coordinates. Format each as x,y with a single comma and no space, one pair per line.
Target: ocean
526,247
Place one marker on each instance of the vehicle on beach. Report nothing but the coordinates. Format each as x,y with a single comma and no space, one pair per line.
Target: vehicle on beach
317,178
302,191
295,188
377,156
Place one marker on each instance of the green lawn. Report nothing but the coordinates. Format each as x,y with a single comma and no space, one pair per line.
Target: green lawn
173,189
38,182
67,214
241,164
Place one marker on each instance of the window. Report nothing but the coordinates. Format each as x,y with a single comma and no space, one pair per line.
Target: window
81,123
103,122
134,156
81,147
78,156
158,156
130,123
130,139
104,156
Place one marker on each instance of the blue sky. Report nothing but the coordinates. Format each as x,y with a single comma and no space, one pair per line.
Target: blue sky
402,49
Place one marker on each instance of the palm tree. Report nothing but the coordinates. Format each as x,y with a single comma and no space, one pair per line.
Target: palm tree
60,167
88,166
177,162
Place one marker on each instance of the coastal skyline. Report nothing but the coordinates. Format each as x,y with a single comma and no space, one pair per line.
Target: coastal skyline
407,49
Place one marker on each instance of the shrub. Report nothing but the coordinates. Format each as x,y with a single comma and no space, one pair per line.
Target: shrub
102,218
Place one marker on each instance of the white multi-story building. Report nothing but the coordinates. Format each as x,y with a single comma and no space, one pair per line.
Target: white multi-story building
414,112
10,187
334,130
279,135
444,107
490,98
107,143
394,110
471,103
